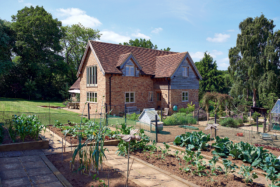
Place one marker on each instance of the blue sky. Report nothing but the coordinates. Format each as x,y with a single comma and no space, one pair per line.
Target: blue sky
193,26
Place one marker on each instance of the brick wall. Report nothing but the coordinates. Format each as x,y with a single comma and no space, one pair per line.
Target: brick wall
100,88
176,97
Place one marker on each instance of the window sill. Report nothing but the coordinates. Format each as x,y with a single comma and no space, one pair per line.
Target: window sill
186,101
129,103
91,102
92,86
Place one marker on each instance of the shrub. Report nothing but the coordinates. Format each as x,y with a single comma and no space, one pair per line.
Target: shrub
229,122
183,110
255,115
133,116
179,119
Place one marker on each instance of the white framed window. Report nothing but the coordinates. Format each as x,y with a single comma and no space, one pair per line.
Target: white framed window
92,76
129,97
185,96
92,97
129,70
185,72
151,96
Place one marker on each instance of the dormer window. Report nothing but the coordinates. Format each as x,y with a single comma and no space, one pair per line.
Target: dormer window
129,70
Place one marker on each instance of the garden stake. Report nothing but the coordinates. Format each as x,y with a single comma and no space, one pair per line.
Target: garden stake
62,149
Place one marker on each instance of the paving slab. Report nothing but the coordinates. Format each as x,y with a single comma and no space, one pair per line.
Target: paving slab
9,160
147,171
113,162
172,184
38,171
19,182
30,158
147,181
36,164
11,174
10,166
32,152
41,179
12,153
53,184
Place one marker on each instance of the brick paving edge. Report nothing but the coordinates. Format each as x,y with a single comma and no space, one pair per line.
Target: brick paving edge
166,172
55,171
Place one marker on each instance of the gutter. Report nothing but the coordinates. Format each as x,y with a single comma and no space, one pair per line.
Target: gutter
168,92
110,89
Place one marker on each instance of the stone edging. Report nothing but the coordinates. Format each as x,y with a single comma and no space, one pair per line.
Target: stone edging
55,171
165,172
209,158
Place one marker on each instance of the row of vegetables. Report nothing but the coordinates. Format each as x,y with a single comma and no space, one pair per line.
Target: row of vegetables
87,130
258,157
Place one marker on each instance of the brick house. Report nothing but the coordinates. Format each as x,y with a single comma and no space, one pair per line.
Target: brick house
139,77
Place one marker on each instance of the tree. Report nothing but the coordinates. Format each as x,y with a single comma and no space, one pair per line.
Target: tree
254,61
38,44
7,42
211,78
143,43
73,43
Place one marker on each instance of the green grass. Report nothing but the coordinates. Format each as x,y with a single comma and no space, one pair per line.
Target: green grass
10,107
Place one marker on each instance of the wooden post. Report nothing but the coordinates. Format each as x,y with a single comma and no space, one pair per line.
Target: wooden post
264,125
125,113
156,128
257,124
88,111
198,117
250,117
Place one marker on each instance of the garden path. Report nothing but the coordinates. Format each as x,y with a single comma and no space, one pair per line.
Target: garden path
27,168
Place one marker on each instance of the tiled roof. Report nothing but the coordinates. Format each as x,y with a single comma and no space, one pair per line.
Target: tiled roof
167,64
109,56
123,58
76,85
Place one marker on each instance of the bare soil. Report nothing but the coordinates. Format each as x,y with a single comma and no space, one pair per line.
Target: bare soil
80,180
7,139
172,165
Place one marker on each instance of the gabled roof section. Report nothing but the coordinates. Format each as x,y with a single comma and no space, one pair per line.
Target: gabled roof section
76,85
167,65
125,57
122,59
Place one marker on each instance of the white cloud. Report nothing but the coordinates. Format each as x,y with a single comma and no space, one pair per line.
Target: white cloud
140,35
111,36
216,53
197,55
230,30
276,18
223,63
157,30
219,37
20,1
180,9
72,16
224,60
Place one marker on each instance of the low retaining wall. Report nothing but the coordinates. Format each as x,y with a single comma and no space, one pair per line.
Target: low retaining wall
40,144
106,143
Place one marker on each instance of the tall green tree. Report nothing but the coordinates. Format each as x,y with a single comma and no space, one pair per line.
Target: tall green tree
73,43
38,44
254,61
143,43
211,77
7,43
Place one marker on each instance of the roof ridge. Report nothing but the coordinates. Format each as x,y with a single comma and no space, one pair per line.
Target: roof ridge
135,47
172,54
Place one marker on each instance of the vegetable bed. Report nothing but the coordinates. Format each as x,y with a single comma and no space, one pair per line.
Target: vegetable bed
71,131
176,166
81,180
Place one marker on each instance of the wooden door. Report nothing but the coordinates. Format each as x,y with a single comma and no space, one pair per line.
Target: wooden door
159,100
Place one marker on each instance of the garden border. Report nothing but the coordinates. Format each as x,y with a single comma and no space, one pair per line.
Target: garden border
55,171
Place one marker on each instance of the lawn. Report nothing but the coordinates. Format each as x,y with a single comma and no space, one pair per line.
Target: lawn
11,106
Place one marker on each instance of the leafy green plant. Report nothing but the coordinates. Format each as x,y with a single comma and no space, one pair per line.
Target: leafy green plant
57,124
212,164
228,167
229,122
197,139
245,171
199,163
255,115
179,119
101,182
273,176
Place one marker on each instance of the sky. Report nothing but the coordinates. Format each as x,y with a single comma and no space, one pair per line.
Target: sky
183,25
